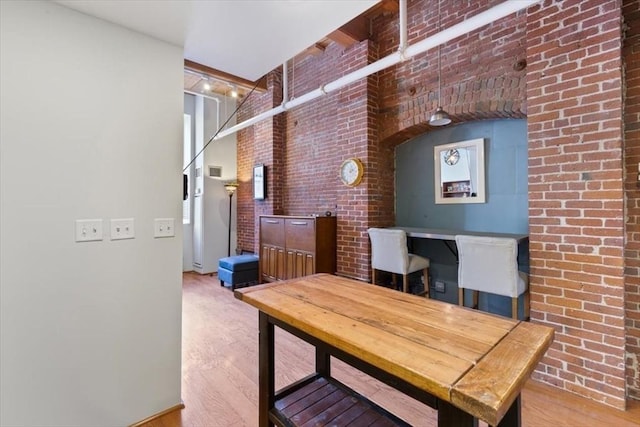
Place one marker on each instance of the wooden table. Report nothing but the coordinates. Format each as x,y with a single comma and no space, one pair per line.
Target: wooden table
467,364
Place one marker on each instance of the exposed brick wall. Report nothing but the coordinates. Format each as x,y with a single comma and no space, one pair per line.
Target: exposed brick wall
356,111
478,76
313,142
262,143
631,57
576,225
571,92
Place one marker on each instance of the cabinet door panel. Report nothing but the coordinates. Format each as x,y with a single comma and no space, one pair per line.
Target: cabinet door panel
267,268
271,264
300,234
272,231
299,264
280,271
300,271
264,263
309,264
290,264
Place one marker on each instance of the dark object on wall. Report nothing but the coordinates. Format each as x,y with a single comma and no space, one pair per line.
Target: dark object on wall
185,186
259,182
520,65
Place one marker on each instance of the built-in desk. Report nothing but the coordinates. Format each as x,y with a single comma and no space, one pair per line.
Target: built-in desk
444,269
445,234
448,235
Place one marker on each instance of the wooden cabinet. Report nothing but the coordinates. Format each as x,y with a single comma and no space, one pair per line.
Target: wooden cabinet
295,246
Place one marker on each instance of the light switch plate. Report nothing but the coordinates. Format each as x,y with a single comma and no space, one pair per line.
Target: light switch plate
164,227
122,228
88,230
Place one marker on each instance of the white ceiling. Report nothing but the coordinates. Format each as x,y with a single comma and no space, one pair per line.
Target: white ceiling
246,38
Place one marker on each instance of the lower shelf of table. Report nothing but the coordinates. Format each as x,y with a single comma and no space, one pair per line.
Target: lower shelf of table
320,401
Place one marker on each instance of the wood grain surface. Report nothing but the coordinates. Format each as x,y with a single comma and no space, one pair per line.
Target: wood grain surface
220,374
477,361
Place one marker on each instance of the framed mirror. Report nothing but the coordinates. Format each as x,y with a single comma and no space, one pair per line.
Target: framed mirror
259,182
459,172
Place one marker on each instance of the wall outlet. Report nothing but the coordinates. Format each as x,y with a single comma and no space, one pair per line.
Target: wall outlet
122,229
440,286
88,230
164,227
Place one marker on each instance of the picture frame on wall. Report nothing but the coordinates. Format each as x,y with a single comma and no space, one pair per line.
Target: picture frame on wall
259,182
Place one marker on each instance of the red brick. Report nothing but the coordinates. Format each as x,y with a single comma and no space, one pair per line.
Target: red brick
572,94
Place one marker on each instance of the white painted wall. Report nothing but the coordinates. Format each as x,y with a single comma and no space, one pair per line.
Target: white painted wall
187,229
214,199
91,119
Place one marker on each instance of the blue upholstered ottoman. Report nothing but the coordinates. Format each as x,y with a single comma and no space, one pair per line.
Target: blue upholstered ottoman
238,270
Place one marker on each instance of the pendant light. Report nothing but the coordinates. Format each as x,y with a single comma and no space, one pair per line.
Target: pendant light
440,117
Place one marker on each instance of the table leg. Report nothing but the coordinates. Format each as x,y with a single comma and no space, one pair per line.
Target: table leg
512,417
449,415
266,377
323,362
452,248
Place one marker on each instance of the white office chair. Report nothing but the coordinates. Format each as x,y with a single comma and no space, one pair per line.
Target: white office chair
489,264
389,253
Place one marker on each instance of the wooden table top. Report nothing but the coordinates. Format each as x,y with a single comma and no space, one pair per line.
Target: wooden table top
477,361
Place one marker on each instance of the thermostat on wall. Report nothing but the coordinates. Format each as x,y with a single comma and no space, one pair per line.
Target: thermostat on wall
215,171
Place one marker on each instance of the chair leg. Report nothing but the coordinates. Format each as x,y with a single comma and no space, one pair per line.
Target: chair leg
527,305
373,276
405,283
425,274
514,308
475,300
394,281
461,296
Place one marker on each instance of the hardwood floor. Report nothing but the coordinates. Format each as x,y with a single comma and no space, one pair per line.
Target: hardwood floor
220,373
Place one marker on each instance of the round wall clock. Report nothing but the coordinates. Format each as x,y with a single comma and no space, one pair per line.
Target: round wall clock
451,157
351,171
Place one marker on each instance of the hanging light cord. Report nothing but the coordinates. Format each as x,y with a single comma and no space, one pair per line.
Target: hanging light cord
439,63
439,78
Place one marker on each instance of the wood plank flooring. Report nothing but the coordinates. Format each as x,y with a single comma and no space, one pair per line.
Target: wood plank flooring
220,373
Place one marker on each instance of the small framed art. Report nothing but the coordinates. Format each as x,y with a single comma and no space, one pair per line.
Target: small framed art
259,182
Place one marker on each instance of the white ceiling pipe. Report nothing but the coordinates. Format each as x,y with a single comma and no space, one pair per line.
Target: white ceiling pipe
473,23
316,93
209,97
253,120
484,18
403,27
365,71
190,92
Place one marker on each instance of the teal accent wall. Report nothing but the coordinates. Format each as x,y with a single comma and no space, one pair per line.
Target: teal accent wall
505,210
